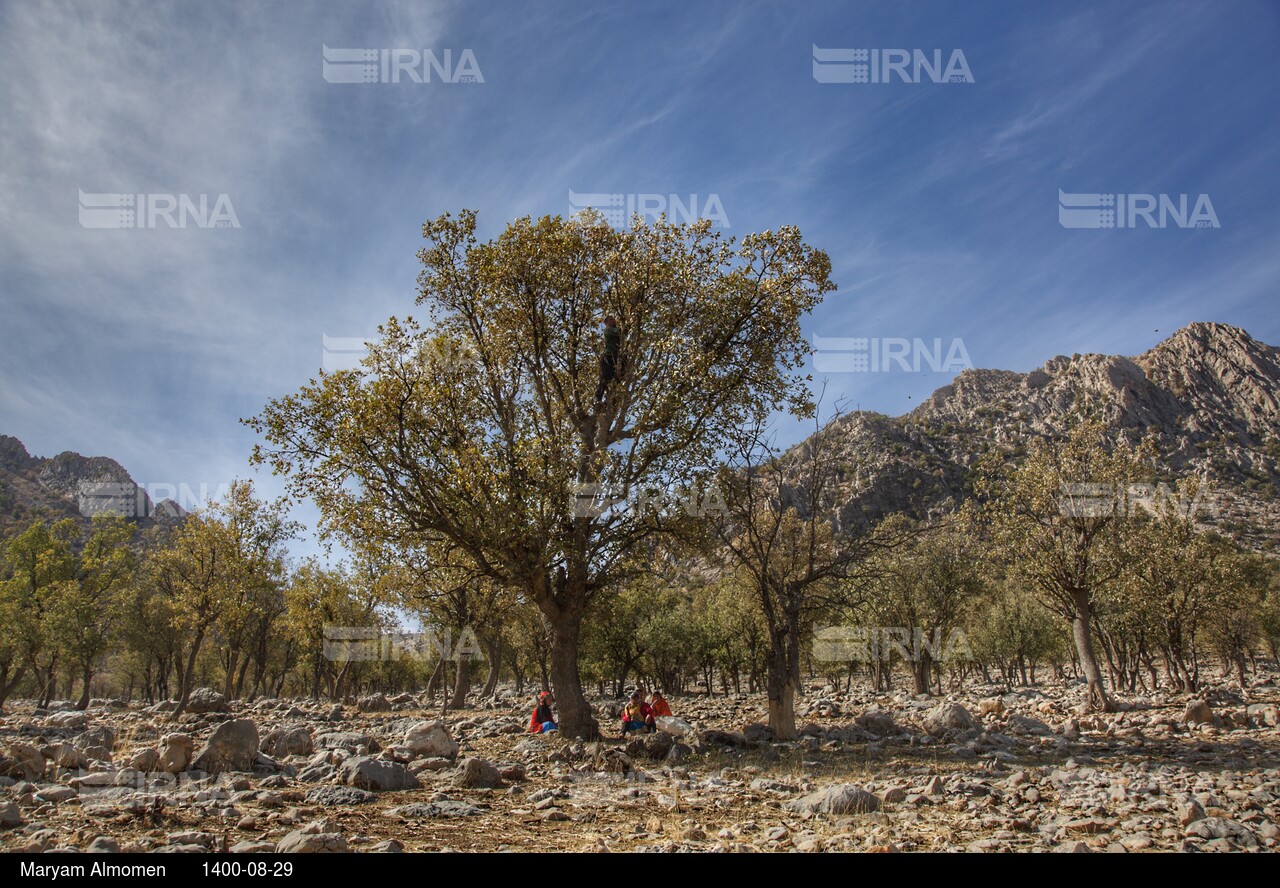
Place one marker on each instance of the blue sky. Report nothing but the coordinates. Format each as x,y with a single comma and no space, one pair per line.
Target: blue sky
936,201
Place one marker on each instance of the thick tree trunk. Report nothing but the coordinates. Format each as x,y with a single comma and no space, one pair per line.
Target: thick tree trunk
87,677
920,669
782,678
1082,632
461,683
575,716
782,697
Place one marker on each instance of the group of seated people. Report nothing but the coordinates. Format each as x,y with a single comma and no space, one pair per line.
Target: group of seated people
637,714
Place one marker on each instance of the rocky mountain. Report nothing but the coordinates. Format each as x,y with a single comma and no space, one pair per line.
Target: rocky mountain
1210,393
71,486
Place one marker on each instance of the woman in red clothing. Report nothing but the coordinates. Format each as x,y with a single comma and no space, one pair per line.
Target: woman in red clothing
660,705
542,719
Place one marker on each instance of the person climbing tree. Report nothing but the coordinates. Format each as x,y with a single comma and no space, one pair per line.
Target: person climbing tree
609,360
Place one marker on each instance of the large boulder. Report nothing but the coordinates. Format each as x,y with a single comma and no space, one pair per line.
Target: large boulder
67,720
10,816
207,700
314,838
877,722
374,703
65,755
1267,714
430,740
339,795
949,718
288,741
233,746
843,798
676,727
1199,713
651,746
175,753
25,762
378,775
474,773
97,736
145,759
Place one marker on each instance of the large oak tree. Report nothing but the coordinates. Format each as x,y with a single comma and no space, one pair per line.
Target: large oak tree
479,427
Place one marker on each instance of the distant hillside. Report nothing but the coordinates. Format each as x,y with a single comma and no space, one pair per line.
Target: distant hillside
1210,392
71,486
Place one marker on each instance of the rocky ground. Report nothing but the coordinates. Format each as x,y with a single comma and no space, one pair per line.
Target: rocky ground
982,771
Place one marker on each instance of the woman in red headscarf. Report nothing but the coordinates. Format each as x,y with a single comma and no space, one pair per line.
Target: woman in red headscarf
542,719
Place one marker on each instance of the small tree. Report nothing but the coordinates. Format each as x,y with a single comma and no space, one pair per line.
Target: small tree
86,616
925,590
1059,519
39,569
782,531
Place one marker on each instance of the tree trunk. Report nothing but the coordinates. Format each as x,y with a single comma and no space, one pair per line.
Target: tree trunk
434,681
494,649
1081,631
782,696
87,676
781,680
920,670
7,685
575,716
462,682
188,675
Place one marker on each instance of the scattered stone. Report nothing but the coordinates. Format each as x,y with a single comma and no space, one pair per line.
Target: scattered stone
203,700
837,799
378,775
476,773
288,741
233,746
175,753
432,740
949,718
330,796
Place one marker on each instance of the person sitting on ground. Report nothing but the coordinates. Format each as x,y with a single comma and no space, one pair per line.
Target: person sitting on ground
636,715
660,705
543,720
